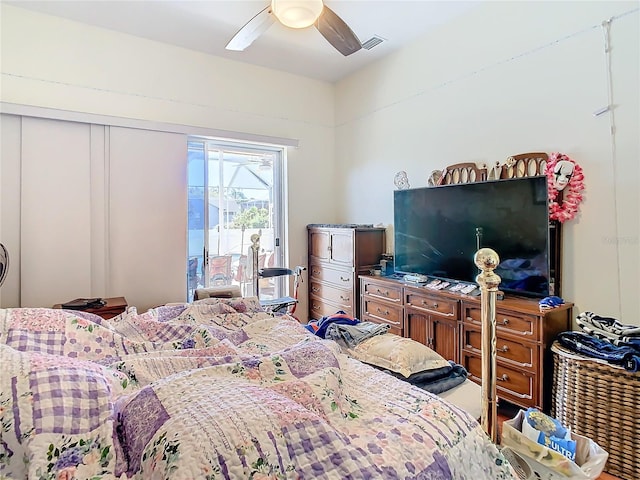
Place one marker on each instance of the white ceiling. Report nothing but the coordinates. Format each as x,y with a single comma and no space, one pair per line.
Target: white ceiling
207,26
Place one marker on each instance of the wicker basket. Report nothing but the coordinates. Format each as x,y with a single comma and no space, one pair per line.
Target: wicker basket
601,402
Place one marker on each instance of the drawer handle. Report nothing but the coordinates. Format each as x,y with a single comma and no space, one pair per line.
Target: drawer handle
380,292
316,307
346,299
348,279
390,322
315,289
382,312
505,321
450,314
504,348
315,272
503,378
425,304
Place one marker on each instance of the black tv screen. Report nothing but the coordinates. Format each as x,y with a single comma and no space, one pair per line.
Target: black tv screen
438,230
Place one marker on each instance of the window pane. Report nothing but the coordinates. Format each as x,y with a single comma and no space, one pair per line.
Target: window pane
196,211
234,201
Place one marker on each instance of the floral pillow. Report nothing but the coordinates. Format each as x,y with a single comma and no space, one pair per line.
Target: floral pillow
398,354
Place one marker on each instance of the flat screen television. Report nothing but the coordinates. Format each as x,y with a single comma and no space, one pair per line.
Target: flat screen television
438,230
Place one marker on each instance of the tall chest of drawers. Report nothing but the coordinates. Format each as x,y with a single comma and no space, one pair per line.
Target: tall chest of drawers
337,255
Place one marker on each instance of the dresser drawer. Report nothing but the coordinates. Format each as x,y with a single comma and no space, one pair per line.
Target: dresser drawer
435,305
382,290
511,384
332,293
507,322
319,308
380,311
341,278
519,354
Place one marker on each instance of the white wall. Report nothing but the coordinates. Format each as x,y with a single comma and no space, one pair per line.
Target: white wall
60,64
509,78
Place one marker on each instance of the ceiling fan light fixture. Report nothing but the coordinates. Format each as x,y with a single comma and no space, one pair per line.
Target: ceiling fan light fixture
297,13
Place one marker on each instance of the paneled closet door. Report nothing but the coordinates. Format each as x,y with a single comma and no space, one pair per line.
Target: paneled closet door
10,132
147,216
55,212
102,213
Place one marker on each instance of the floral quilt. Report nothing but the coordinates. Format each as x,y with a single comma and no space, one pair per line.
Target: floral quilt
215,390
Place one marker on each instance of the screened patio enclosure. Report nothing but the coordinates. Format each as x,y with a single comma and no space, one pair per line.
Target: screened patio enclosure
233,193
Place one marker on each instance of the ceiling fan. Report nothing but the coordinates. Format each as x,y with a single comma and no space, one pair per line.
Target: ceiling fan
298,14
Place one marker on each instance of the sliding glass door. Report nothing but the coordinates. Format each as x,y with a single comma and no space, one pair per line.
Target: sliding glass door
235,191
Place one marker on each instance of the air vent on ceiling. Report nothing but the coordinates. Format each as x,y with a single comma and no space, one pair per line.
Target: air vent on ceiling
372,42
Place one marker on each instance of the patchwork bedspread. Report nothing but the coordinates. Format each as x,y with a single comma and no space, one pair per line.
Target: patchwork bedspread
215,391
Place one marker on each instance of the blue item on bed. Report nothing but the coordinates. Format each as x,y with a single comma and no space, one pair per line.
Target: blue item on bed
319,327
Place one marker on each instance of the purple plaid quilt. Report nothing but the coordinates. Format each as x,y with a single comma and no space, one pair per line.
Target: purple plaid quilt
227,392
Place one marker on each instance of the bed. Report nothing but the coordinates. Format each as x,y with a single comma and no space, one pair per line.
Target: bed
211,390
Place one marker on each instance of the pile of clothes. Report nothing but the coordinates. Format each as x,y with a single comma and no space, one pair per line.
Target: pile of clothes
606,339
345,330
349,332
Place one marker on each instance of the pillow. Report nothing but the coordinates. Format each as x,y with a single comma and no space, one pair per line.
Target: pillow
398,354
219,291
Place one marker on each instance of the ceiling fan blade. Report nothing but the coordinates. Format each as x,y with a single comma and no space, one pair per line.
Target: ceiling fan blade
337,32
252,30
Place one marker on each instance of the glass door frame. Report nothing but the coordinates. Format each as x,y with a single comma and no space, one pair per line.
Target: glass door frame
277,203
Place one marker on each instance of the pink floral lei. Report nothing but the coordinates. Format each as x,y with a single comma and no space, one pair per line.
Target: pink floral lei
568,209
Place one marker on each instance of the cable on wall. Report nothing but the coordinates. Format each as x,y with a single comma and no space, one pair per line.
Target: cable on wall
610,108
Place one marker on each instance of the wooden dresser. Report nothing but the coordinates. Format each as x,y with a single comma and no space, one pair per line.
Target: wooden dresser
450,324
337,255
